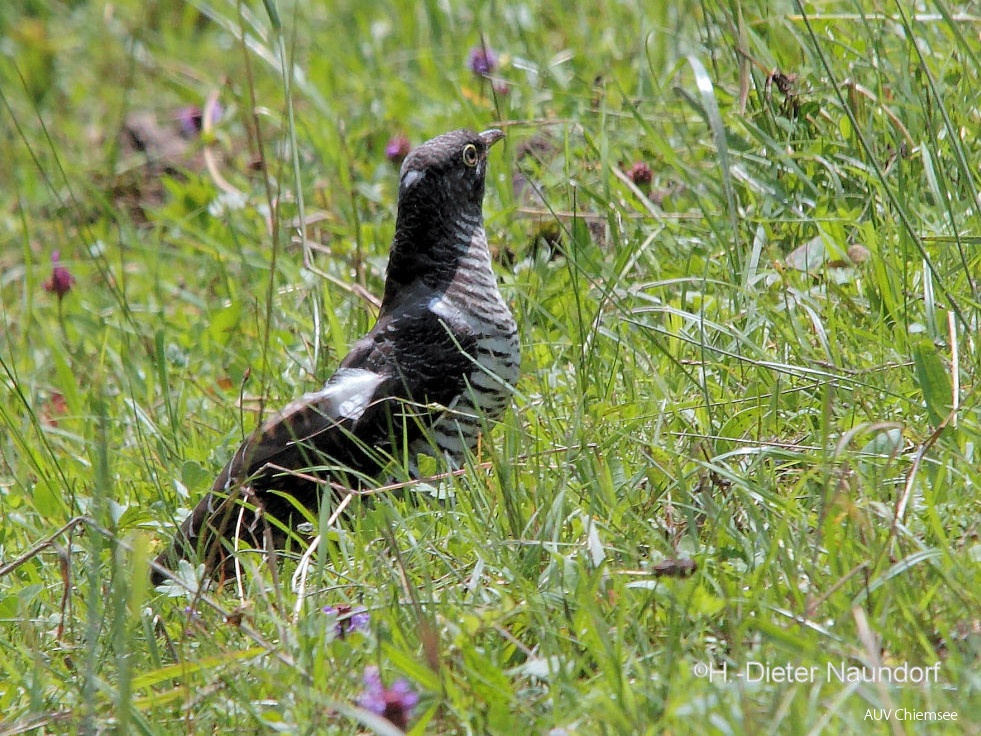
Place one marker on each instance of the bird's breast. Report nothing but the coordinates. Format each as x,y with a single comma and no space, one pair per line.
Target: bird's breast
487,322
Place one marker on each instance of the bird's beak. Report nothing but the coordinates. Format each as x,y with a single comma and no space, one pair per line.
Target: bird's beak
492,136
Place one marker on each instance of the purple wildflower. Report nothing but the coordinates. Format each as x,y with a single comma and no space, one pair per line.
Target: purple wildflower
348,619
61,279
394,703
640,174
483,60
191,119
397,148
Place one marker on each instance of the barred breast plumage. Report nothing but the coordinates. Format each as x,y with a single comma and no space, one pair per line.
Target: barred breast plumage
439,364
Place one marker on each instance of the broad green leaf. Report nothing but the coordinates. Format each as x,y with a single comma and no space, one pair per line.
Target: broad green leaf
933,379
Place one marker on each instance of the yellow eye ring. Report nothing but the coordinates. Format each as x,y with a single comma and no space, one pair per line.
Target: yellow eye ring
470,157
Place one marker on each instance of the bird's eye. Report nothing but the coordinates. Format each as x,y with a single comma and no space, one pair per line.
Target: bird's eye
470,156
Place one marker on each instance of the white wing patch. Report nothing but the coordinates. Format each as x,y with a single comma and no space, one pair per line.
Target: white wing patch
349,392
445,309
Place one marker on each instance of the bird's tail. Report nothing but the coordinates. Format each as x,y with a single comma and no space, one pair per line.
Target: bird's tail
218,524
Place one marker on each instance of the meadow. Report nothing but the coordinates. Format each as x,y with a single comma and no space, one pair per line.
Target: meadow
740,487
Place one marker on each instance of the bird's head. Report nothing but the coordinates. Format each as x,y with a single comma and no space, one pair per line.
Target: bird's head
441,196
447,170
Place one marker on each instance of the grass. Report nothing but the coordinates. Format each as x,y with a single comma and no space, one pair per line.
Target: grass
763,360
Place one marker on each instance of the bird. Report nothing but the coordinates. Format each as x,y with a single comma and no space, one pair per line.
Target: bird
440,362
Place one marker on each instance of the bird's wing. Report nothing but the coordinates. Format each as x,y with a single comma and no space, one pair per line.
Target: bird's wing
323,420
375,405
393,374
